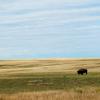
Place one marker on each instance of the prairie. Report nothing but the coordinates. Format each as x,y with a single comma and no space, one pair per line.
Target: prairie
46,79
52,95
48,65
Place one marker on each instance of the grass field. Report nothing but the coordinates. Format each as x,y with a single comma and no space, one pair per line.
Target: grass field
35,76
52,95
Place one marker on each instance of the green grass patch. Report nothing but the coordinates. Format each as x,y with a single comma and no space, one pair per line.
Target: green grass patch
48,81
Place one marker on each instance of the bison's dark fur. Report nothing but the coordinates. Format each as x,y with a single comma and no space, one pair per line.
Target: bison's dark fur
82,71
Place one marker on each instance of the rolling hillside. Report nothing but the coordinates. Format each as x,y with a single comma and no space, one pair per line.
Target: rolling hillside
49,65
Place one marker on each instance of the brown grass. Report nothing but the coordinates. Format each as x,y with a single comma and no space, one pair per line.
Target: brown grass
51,65
48,65
53,95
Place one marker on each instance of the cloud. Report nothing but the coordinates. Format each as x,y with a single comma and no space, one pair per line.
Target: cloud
49,28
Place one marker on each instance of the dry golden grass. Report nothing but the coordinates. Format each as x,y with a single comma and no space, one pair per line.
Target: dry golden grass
53,95
23,67
48,65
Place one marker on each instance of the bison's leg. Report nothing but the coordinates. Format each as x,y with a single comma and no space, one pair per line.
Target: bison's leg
86,72
78,72
81,73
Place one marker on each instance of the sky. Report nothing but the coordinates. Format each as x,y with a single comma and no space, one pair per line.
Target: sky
49,29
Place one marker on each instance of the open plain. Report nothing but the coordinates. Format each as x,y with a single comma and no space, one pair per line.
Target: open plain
46,79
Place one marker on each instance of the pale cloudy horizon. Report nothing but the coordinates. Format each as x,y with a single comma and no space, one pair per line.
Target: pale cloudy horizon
49,29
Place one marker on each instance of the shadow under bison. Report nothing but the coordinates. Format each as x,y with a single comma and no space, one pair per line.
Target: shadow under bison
82,71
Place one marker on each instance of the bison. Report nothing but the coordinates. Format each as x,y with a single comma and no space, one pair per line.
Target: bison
82,71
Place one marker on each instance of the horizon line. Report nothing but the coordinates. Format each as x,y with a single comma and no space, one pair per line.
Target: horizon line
53,58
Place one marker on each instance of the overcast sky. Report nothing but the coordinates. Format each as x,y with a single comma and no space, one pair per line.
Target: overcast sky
49,28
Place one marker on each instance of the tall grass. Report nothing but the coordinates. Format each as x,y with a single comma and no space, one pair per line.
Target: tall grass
53,95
